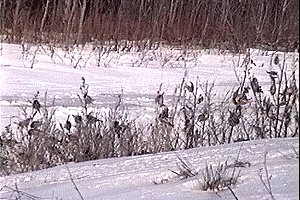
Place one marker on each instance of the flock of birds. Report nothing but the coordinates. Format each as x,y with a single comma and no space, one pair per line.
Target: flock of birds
239,98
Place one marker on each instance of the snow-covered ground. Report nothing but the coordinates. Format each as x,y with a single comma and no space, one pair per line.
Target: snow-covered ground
137,75
134,177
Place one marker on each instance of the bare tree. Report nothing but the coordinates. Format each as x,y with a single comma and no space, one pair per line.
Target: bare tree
80,32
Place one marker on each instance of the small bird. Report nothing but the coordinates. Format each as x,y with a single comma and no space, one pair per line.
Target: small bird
190,87
33,131
200,99
252,62
273,88
35,124
91,119
239,99
203,116
255,86
159,99
36,105
273,74
78,119
276,60
117,128
24,123
292,89
164,112
84,87
233,119
68,124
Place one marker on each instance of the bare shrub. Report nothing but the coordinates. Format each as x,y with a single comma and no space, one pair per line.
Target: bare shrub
191,118
230,25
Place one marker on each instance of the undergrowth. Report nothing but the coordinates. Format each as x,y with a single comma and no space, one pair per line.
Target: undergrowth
192,119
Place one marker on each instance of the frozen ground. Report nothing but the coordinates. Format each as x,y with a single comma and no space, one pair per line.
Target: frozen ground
137,75
134,177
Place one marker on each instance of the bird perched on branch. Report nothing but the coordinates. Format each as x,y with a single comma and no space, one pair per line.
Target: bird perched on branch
84,87
292,89
273,88
190,86
36,106
159,100
68,124
164,115
163,110
24,123
84,90
203,116
36,124
255,86
78,119
240,99
273,74
91,119
276,60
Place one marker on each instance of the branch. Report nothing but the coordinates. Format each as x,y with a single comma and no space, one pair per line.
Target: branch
74,184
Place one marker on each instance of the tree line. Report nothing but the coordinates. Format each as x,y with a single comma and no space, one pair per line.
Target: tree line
230,24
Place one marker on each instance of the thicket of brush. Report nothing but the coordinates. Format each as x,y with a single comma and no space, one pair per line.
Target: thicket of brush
191,119
229,24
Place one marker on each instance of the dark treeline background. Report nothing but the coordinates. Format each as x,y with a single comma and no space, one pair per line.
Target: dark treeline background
226,24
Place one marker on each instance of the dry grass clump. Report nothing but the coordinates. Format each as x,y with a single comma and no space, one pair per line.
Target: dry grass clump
219,177
212,177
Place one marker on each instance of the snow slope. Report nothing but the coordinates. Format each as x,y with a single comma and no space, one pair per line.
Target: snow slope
134,177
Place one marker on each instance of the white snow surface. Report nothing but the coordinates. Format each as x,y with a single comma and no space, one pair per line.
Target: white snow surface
134,177
138,75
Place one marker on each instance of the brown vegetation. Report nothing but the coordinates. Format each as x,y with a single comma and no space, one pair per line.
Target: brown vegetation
191,119
227,24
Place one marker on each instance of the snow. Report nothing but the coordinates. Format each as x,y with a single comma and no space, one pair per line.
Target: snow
134,177
138,75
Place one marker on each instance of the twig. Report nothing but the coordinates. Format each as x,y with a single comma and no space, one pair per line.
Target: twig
266,182
74,184
237,158
34,56
232,193
19,193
